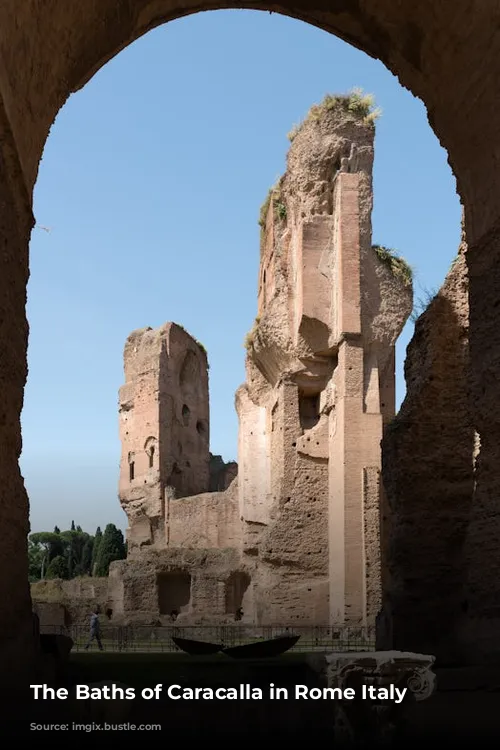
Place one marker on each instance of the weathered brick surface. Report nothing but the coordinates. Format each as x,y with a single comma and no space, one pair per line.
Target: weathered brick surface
302,519
429,479
445,53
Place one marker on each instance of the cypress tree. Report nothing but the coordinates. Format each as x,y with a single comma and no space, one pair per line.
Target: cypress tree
95,549
86,561
111,548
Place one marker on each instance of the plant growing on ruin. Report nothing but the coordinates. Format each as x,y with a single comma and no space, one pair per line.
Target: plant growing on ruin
250,337
273,197
423,303
265,208
356,102
398,265
280,210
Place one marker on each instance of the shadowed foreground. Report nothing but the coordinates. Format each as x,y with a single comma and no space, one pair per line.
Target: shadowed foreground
465,708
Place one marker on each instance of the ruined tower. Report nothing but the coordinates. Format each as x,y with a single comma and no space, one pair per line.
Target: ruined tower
296,538
320,379
164,428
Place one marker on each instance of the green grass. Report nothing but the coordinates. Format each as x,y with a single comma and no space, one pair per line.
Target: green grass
250,336
398,265
355,102
273,197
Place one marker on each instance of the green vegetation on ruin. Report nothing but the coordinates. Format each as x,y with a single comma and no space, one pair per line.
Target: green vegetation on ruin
249,338
423,303
398,265
356,102
273,196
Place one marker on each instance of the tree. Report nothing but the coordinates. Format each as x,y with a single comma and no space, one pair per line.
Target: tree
52,546
86,561
95,549
36,556
111,548
75,542
78,549
58,568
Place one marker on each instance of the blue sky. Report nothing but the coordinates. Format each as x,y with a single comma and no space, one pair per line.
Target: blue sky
151,184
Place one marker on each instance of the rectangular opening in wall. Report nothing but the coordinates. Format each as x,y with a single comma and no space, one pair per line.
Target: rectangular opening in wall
131,468
174,592
236,587
309,405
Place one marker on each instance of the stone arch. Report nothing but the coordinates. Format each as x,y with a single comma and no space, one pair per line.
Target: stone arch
150,448
131,466
411,42
438,55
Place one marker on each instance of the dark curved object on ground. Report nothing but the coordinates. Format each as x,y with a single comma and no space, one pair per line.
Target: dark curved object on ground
197,648
56,644
263,649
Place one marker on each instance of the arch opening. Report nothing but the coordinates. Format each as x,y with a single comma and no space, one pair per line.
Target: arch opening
188,380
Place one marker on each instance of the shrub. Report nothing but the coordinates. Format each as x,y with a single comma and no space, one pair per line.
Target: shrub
398,265
250,337
273,197
422,303
356,102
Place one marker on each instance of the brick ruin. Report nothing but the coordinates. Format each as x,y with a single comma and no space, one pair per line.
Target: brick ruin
438,56
296,536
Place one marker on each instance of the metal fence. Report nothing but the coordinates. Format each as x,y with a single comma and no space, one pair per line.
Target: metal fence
142,638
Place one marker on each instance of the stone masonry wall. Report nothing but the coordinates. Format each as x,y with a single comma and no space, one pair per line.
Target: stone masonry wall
164,427
429,480
296,538
319,357
208,521
62,604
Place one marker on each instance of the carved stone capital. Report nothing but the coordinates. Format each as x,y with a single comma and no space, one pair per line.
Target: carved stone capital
382,668
363,719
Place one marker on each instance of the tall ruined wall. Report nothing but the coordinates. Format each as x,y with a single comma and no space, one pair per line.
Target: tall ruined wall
296,539
429,479
208,521
320,382
164,427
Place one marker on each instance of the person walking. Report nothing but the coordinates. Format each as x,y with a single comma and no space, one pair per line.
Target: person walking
95,631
